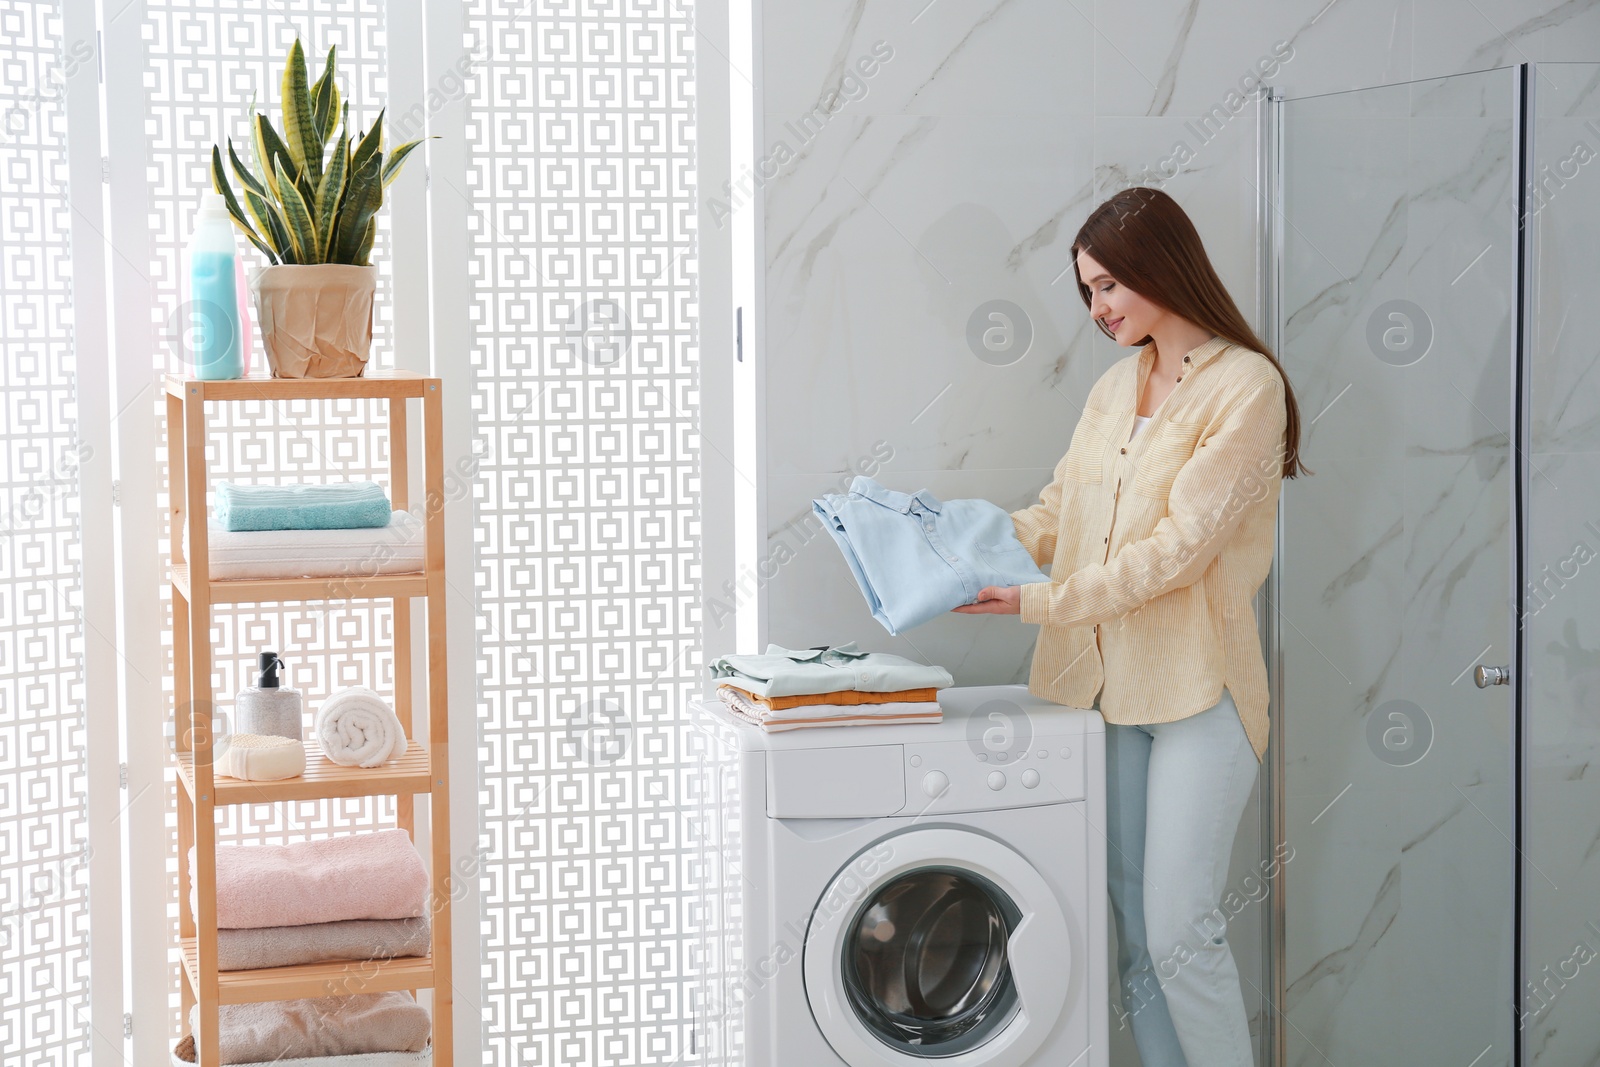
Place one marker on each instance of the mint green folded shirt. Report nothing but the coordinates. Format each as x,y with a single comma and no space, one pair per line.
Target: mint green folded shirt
789,672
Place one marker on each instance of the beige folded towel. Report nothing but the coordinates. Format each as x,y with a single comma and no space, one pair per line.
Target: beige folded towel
319,1026
353,939
183,1054
317,943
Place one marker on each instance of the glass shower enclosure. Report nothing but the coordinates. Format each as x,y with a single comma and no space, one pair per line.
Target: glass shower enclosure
1433,619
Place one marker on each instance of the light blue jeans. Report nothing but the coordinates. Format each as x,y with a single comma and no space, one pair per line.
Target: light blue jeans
1175,792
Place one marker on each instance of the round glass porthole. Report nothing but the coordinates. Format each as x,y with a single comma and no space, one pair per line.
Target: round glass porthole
925,964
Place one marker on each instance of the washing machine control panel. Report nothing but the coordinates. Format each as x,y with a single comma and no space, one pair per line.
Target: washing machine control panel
993,770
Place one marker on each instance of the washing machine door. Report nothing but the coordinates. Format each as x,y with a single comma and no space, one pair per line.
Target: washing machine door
955,949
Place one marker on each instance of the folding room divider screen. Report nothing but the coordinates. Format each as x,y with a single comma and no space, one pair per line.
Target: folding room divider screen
542,260
44,829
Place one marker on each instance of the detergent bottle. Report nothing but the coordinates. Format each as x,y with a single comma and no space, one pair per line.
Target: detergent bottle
214,341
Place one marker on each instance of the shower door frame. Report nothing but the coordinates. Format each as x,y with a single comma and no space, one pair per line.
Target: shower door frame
1269,289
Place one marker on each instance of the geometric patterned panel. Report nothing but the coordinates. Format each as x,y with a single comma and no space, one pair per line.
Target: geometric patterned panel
44,851
582,207
207,60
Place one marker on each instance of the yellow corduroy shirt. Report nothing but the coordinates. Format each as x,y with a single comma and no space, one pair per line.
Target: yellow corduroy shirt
1157,546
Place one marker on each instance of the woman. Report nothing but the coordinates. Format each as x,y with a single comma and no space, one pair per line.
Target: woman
1157,531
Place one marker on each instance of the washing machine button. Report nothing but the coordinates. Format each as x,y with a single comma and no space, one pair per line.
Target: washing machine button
1030,778
935,782
916,761
997,780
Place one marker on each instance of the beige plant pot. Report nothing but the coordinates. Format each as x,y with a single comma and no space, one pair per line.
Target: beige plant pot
316,319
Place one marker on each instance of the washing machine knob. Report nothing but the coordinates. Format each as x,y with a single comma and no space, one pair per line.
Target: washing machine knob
935,782
997,780
1030,778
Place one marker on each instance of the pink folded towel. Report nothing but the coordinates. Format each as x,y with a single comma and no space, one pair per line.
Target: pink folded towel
375,875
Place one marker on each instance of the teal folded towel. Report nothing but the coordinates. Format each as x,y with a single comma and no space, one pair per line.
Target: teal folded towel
343,506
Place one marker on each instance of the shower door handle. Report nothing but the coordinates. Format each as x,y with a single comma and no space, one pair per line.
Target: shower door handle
1487,676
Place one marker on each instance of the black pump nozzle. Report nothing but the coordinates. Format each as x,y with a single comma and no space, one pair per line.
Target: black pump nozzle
269,663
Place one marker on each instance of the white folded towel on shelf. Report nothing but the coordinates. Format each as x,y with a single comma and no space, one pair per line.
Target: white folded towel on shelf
360,553
357,728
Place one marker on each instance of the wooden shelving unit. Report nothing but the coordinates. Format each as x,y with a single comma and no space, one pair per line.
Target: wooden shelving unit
423,770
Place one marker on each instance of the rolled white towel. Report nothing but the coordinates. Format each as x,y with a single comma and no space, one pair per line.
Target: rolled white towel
357,728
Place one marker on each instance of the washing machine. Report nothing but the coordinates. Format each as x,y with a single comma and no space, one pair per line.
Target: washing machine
917,892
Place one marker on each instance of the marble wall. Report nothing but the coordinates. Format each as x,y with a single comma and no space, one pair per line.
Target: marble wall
965,144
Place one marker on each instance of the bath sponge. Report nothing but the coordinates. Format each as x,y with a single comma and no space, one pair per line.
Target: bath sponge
262,757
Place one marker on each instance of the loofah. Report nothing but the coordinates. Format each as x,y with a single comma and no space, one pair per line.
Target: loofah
262,757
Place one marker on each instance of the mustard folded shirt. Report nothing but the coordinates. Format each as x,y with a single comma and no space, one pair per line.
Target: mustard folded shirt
843,696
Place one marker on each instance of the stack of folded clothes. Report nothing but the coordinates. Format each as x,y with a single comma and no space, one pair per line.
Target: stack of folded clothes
794,689
310,531
355,897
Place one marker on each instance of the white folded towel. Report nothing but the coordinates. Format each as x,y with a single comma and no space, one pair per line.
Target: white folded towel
357,728
362,553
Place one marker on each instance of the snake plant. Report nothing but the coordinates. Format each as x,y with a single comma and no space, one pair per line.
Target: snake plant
303,204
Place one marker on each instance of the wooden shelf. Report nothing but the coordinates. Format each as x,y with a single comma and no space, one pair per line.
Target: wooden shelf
377,385
423,771
402,776
337,978
269,590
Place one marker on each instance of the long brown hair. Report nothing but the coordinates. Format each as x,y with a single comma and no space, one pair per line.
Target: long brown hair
1147,243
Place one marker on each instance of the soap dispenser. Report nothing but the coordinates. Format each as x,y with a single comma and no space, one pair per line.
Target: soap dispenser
268,707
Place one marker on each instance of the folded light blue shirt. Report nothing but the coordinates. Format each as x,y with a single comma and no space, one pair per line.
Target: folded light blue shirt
916,557
788,672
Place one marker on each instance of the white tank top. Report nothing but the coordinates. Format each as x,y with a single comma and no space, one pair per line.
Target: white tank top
1138,424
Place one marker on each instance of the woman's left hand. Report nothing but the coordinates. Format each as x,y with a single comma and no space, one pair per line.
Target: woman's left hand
995,600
